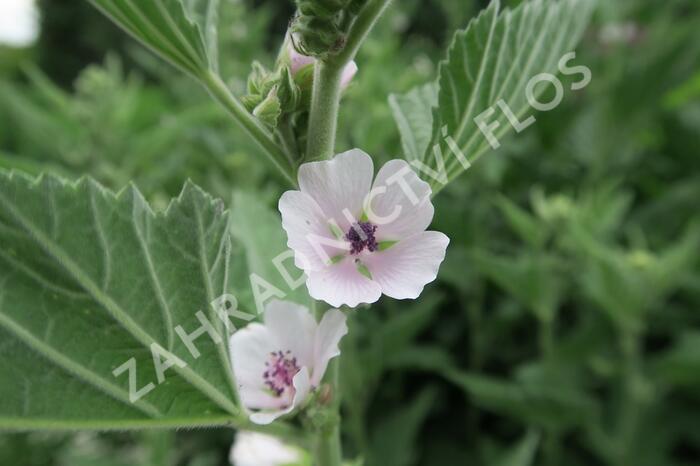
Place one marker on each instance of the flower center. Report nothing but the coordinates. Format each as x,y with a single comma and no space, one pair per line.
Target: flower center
280,371
361,236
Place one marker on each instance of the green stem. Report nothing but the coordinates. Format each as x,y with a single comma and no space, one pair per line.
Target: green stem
276,155
325,98
328,449
323,123
323,116
631,402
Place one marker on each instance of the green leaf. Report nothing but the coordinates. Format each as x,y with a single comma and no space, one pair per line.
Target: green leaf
166,27
546,406
206,14
522,453
535,279
413,113
90,280
491,60
394,437
629,283
680,365
525,225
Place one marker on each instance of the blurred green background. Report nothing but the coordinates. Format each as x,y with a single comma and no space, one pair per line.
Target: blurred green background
564,328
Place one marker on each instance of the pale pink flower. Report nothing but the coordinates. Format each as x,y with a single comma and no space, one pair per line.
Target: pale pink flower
297,61
255,449
278,363
356,239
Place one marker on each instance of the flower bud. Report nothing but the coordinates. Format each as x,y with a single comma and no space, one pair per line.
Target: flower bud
317,36
300,65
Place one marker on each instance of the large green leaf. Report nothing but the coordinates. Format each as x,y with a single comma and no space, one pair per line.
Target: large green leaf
168,27
491,60
90,280
413,115
206,14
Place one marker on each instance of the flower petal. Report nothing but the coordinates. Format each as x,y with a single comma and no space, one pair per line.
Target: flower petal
349,72
339,185
302,385
297,61
254,398
250,349
331,329
400,203
341,284
294,328
255,449
308,232
404,269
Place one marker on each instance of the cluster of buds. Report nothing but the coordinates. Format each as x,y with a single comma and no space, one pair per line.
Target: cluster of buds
270,94
317,31
287,90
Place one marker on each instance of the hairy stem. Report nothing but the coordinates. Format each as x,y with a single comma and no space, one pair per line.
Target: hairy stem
327,451
275,153
323,122
325,98
327,448
323,117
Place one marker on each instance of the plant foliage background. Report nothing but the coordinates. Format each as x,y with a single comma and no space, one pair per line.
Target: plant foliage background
564,327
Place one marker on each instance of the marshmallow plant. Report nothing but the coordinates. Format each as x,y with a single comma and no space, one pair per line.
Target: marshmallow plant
167,319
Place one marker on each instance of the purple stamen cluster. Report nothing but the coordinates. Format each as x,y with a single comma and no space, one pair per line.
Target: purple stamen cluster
361,236
280,371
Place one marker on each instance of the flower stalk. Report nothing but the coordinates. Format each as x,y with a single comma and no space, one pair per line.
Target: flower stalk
327,448
325,99
323,117
322,129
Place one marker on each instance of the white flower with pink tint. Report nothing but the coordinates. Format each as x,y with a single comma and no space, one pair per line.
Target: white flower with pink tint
356,239
255,449
278,363
297,61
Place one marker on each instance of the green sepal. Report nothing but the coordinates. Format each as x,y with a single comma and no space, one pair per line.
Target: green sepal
269,110
288,92
318,36
323,8
251,101
256,78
